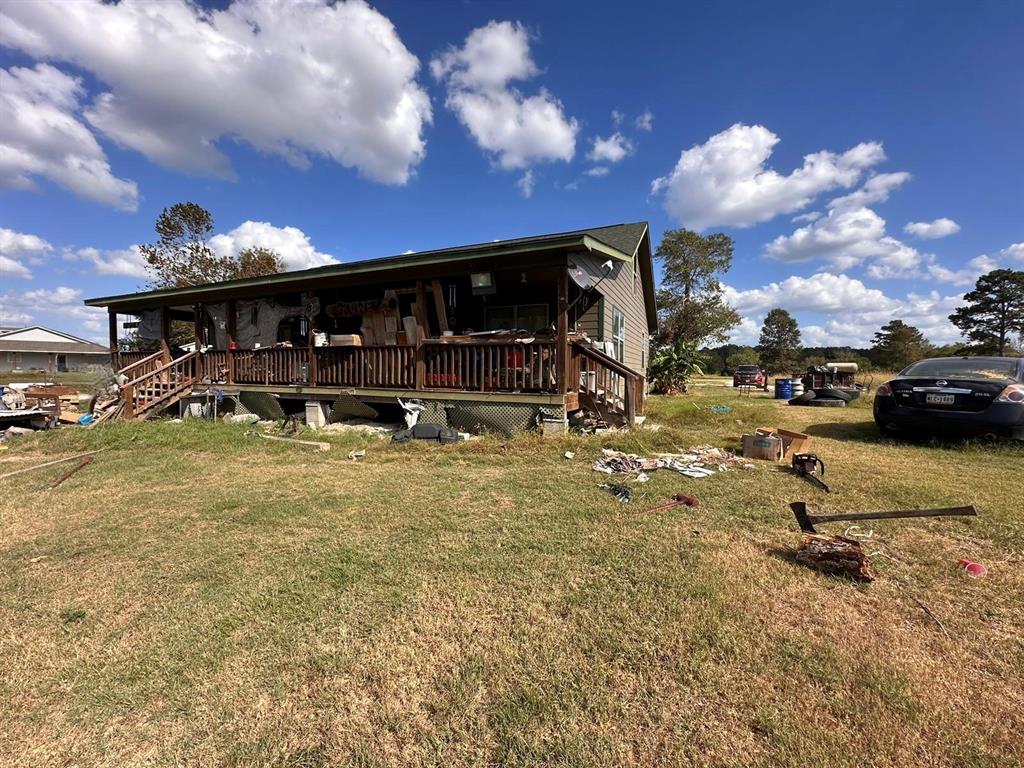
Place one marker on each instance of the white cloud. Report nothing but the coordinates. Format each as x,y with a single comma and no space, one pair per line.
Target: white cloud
809,216
597,170
127,261
519,130
295,79
932,230
645,122
42,136
62,303
1015,251
850,233
15,246
525,183
617,118
845,310
610,150
290,243
726,181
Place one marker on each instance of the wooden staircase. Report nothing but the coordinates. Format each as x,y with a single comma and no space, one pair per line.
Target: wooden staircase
154,385
612,390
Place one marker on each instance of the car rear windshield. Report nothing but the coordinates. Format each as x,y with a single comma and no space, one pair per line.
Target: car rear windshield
970,368
748,368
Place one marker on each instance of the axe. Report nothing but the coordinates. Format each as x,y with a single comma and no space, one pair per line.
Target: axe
806,521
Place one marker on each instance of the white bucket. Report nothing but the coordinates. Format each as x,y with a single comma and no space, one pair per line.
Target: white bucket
798,387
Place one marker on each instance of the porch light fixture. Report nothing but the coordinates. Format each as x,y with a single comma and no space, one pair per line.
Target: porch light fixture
482,283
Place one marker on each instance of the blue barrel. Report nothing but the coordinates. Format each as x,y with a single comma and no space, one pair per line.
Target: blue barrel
783,389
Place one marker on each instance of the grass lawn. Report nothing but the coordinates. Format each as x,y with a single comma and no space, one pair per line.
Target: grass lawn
197,596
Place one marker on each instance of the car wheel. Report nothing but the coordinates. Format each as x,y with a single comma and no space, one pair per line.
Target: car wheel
827,402
836,394
803,399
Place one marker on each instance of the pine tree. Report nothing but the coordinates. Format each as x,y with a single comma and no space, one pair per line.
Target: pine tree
779,345
994,311
897,345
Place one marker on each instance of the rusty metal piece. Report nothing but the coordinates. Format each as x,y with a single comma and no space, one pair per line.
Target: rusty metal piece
85,460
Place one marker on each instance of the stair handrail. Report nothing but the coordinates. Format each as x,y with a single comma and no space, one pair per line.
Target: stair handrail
606,360
161,369
633,380
137,363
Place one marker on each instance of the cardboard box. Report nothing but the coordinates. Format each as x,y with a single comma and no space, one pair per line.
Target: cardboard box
767,447
792,442
346,340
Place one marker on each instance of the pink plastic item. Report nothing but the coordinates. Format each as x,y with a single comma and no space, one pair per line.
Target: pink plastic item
973,569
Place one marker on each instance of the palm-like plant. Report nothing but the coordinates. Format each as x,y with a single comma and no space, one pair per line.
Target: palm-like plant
672,366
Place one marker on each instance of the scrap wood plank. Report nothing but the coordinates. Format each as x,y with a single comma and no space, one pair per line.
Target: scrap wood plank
85,460
313,443
50,463
442,313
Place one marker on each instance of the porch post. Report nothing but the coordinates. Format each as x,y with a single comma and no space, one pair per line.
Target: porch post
232,319
310,356
165,334
197,332
421,331
112,332
562,330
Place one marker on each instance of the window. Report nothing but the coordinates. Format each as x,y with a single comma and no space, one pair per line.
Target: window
528,317
14,358
618,333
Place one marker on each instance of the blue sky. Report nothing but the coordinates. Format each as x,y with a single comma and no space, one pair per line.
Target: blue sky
356,131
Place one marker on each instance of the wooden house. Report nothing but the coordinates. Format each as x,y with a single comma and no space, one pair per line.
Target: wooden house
510,331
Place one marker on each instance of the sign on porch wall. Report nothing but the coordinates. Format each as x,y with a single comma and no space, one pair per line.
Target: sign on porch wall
352,308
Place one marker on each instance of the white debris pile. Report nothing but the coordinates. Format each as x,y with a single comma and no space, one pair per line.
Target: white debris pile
698,461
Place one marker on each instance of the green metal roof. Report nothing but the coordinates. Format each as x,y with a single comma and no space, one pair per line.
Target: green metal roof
619,241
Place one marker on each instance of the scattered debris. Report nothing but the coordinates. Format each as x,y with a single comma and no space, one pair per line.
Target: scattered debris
241,418
677,500
38,558
620,491
807,521
720,409
642,477
311,443
834,554
433,432
807,466
364,426
931,615
697,462
50,463
356,455
854,532
84,460
569,455
977,570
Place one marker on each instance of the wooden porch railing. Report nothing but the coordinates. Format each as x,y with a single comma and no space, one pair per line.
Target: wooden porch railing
160,386
490,366
273,365
135,364
377,366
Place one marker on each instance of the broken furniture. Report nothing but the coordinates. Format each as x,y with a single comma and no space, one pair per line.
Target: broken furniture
807,521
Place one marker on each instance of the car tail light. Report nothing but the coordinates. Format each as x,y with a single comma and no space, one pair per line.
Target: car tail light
1012,394
884,390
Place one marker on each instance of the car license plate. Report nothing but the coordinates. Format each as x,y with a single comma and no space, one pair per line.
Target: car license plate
940,399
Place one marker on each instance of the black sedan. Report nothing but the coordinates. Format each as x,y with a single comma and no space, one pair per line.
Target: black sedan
968,396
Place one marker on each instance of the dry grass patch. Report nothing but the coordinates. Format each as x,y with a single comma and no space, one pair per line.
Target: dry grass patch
198,597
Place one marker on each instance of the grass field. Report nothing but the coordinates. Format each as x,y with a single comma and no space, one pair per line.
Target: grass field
200,597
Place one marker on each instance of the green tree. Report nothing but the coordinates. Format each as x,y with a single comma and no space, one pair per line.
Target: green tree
691,308
181,256
994,311
742,356
779,345
897,345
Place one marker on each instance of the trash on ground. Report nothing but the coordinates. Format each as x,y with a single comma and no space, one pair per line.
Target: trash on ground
81,463
977,570
836,555
444,435
569,455
697,462
720,409
807,521
620,491
356,455
364,426
772,444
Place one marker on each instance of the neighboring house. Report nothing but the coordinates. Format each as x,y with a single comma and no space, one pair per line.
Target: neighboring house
43,349
531,328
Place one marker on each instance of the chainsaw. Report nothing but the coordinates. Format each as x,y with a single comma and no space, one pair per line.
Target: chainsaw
810,467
